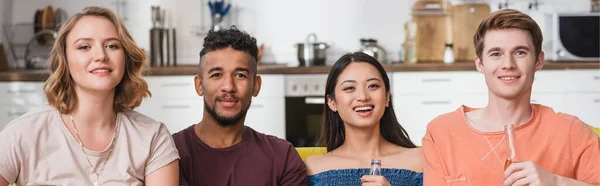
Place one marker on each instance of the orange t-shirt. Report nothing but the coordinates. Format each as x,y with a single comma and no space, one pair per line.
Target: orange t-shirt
456,154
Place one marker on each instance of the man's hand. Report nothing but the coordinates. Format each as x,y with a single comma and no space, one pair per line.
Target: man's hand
528,173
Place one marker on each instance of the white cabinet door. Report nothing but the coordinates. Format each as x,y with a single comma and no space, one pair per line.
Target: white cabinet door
22,93
554,100
176,114
415,112
272,86
171,86
583,80
267,115
549,81
438,82
586,106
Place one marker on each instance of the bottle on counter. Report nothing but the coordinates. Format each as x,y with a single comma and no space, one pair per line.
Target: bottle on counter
410,41
448,54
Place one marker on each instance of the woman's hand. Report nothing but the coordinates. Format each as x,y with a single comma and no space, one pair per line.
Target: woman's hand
371,180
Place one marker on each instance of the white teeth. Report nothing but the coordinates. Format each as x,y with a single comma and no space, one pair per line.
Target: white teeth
362,108
100,71
508,78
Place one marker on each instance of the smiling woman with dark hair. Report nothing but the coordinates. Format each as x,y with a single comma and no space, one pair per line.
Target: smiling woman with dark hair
360,125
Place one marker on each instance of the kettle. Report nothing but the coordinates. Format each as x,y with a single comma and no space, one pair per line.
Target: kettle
370,47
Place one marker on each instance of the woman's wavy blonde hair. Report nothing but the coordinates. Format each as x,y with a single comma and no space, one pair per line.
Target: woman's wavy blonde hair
59,87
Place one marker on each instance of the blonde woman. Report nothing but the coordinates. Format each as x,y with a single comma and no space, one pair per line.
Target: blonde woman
90,135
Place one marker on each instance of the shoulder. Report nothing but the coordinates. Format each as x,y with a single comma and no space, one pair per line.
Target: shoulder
557,120
32,121
404,158
271,141
317,163
139,119
181,141
446,121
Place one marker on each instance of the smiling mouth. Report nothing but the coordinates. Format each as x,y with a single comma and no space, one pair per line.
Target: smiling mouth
509,77
366,108
100,71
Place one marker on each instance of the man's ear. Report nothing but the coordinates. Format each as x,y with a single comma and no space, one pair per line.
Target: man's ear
479,64
257,84
331,103
539,63
198,85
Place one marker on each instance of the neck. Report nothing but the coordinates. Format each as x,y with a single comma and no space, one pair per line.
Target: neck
217,136
364,143
502,111
94,110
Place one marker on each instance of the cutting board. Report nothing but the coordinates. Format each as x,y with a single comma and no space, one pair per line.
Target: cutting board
434,29
466,18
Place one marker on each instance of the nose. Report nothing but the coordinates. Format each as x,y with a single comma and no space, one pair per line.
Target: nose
362,94
99,54
509,62
227,85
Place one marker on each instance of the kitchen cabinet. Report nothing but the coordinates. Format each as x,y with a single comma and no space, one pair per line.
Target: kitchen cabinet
18,98
585,106
267,110
267,115
174,101
419,97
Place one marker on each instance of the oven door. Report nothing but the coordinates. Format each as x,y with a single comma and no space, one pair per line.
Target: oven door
304,117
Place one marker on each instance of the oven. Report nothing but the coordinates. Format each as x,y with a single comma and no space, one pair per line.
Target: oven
304,101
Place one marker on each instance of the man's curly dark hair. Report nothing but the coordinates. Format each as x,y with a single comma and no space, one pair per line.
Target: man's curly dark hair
237,39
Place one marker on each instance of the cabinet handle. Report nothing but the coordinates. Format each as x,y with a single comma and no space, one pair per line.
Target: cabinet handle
436,102
175,84
256,106
16,113
314,100
534,100
176,106
436,80
21,91
596,100
596,77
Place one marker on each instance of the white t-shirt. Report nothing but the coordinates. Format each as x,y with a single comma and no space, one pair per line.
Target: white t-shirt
38,149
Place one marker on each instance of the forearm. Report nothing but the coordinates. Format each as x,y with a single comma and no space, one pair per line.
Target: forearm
563,181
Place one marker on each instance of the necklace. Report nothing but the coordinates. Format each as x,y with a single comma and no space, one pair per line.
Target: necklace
97,173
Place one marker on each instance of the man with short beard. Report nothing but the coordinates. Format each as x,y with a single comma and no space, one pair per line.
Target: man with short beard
220,149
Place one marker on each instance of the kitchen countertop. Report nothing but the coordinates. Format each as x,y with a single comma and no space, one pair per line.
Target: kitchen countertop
41,74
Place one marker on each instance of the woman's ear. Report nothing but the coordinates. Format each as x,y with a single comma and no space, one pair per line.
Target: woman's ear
331,103
387,102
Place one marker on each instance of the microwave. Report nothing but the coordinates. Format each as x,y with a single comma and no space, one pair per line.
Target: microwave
571,37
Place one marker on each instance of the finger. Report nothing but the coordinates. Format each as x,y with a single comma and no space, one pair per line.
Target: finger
525,181
516,176
372,178
367,178
514,167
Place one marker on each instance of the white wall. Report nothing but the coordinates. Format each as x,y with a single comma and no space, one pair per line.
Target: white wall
280,24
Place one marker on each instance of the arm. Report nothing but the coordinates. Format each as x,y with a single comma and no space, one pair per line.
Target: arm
167,175
162,167
433,167
295,170
585,153
3,182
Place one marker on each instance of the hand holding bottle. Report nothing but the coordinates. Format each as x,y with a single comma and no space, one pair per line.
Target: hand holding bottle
528,173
